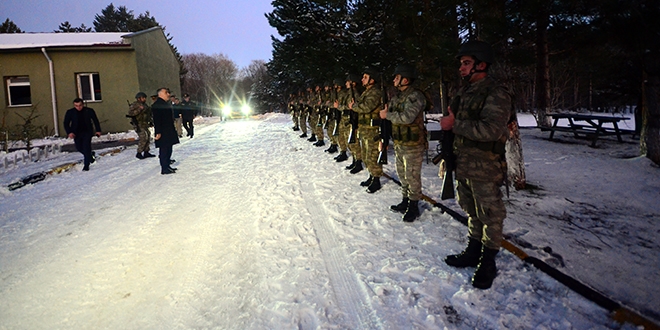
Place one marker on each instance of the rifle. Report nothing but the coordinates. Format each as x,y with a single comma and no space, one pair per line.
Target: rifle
384,128
134,121
335,131
353,119
331,112
447,154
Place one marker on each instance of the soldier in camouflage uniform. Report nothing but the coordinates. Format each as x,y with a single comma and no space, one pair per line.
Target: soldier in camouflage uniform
302,113
319,113
368,107
479,119
141,114
293,110
344,128
312,110
406,112
353,93
330,117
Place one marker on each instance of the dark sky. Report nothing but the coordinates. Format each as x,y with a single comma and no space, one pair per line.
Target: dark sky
236,28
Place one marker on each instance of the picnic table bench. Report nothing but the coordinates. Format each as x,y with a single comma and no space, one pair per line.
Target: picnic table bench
589,126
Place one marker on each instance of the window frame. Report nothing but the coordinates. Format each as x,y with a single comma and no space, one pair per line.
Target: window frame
9,85
89,77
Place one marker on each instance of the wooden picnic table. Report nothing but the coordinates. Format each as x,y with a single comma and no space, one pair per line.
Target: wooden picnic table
589,126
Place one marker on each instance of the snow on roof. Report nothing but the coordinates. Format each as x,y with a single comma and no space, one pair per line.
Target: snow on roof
38,40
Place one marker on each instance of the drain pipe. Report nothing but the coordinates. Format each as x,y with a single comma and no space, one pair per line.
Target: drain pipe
52,91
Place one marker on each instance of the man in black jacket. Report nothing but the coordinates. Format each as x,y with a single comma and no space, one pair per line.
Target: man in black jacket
165,133
188,113
79,123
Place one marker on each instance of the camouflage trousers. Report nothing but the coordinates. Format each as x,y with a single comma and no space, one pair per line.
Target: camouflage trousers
482,201
367,134
302,122
355,148
331,127
318,130
409,169
294,118
144,138
344,131
178,124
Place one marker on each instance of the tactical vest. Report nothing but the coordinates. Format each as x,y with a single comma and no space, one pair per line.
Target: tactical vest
474,109
409,134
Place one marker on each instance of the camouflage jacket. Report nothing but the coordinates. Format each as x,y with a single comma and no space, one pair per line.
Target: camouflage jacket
368,105
142,116
406,112
482,113
343,98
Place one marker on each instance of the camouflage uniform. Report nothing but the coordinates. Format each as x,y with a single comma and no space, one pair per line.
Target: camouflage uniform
142,114
343,98
368,106
332,112
480,132
293,111
302,113
406,112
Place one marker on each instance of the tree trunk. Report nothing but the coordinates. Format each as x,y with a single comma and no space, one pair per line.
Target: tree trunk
542,68
650,136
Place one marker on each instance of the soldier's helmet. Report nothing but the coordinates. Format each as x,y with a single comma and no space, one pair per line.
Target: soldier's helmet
480,50
140,94
406,71
337,82
353,78
372,72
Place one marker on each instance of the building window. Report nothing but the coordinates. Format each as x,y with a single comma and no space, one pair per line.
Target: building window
18,91
89,86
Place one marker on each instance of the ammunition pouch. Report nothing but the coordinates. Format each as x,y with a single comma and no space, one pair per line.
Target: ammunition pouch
364,119
497,147
406,133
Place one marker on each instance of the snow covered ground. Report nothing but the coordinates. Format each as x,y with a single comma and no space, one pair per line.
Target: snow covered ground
259,229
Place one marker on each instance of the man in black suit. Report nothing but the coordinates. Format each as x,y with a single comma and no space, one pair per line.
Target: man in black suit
165,133
79,123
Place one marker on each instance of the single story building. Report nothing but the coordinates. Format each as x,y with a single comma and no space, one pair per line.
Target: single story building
46,71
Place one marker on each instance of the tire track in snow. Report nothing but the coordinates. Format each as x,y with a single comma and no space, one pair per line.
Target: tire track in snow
352,297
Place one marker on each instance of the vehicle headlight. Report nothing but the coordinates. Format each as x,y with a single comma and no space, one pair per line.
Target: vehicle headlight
245,109
226,110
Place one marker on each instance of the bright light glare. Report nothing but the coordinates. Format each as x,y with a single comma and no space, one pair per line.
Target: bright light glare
245,109
226,110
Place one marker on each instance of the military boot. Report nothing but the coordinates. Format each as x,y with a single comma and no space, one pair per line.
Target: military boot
319,143
486,270
367,182
352,165
401,207
148,155
468,258
374,186
303,135
332,149
412,212
313,138
296,128
358,167
341,157
139,155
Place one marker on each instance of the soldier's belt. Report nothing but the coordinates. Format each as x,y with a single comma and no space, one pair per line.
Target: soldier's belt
495,147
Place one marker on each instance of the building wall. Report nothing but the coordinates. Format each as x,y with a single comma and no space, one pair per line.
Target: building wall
157,65
118,75
118,78
35,66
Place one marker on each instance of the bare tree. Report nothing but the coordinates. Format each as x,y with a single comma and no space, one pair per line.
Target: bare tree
210,78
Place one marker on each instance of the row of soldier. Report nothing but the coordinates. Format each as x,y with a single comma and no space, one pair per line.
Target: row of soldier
362,121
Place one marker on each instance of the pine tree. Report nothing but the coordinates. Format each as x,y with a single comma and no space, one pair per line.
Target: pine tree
8,26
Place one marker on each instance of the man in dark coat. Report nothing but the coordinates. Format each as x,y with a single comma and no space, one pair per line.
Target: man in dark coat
79,123
188,113
165,133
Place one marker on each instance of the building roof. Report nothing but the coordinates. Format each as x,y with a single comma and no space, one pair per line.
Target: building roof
39,40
